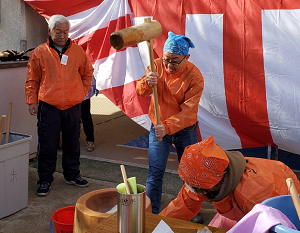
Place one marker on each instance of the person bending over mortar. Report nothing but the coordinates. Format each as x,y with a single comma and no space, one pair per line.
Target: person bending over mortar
234,183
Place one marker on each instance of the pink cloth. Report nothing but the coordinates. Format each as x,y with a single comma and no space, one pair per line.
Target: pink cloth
260,219
229,219
219,221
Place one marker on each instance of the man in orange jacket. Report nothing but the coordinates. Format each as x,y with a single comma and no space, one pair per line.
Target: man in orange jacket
59,77
179,87
234,183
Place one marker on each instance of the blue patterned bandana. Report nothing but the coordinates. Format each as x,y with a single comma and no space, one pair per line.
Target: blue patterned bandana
178,44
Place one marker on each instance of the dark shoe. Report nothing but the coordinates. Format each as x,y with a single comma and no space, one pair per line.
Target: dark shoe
90,146
197,219
43,190
79,181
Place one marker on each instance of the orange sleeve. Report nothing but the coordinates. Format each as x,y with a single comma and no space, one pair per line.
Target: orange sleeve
142,88
33,79
186,206
261,180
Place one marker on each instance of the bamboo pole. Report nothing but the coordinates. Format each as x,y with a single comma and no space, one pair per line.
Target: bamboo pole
294,194
9,122
125,179
2,126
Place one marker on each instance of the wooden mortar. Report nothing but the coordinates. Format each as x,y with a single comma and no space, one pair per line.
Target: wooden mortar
91,208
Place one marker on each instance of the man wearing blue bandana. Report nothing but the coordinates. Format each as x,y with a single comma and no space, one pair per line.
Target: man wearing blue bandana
179,87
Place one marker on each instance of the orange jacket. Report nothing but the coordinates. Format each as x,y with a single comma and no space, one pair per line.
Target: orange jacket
178,95
62,86
261,180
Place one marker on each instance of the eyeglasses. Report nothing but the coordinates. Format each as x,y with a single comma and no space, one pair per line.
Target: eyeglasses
208,193
174,63
201,191
196,190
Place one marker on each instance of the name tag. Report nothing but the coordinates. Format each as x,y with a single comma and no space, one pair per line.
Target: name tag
64,59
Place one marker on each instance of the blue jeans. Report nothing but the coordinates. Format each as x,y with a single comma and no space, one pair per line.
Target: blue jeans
158,157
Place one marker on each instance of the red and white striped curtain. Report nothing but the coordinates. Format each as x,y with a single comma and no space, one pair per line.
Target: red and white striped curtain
247,51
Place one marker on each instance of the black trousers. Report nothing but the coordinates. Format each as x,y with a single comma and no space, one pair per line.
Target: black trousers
87,120
52,121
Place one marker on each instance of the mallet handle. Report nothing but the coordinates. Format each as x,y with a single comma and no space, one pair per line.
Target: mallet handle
154,87
294,194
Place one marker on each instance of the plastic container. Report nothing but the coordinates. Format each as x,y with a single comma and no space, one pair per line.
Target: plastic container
14,161
285,204
63,219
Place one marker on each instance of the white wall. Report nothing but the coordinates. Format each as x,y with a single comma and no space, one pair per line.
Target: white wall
12,89
36,28
21,27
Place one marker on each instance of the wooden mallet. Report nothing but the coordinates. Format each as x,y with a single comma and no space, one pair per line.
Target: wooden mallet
146,31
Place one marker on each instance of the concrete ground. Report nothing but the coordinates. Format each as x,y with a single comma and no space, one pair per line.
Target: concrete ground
100,167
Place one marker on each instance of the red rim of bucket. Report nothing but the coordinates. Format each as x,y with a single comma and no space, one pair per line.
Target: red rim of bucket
72,208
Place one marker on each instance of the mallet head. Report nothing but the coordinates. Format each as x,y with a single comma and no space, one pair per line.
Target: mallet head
135,34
